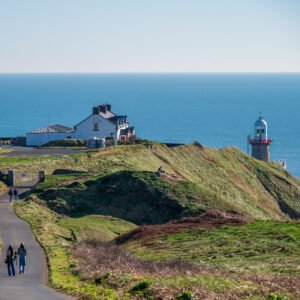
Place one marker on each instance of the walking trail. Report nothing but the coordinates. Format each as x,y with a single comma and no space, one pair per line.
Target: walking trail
31,285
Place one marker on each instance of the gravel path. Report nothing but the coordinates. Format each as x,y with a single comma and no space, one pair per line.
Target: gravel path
31,285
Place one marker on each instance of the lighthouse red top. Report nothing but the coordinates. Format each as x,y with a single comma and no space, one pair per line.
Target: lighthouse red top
260,133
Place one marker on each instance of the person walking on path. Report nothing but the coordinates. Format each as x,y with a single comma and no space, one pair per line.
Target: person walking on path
9,260
16,194
10,193
16,258
22,258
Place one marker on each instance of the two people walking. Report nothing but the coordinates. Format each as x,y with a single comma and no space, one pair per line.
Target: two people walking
13,193
12,259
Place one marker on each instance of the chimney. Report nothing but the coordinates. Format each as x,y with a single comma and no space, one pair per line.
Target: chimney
96,110
103,108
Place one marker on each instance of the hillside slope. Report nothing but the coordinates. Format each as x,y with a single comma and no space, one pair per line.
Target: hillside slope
121,182
221,240
215,256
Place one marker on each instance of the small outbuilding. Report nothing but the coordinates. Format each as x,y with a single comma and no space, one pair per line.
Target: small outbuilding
48,134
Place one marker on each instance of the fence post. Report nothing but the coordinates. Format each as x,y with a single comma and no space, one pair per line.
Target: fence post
11,178
42,174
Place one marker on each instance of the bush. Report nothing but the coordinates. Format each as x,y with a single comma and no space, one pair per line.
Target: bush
277,297
187,295
141,287
102,279
66,143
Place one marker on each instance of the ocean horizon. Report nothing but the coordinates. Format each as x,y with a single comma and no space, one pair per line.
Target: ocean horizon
216,109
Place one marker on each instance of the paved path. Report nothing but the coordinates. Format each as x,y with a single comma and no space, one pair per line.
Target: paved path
31,285
19,151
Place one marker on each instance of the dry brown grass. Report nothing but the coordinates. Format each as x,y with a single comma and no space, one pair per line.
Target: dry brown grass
97,258
208,220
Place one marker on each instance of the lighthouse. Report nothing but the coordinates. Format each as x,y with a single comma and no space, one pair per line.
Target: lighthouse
261,142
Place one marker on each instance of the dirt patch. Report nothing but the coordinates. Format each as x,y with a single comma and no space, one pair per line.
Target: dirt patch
170,177
208,220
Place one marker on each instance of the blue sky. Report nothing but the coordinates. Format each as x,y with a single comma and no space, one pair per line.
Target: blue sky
150,36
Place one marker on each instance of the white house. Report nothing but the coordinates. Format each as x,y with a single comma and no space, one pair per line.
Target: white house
101,123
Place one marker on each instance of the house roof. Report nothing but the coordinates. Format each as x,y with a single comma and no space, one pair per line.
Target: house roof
126,131
53,129
107,115
116,118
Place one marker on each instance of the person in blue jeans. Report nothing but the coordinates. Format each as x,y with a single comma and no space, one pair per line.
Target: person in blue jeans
10,261
22,258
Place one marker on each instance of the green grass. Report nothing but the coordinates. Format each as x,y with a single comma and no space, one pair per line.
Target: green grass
96,227
207,179
264,246
5,150
57,180
3,188
235,253
58,235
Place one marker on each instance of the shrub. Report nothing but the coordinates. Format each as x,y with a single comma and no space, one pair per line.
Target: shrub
102,279
141,287
277,297
186,295
66,143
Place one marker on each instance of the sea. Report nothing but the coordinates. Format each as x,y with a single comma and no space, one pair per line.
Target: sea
218,110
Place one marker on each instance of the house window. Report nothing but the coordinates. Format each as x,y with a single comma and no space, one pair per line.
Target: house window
96,127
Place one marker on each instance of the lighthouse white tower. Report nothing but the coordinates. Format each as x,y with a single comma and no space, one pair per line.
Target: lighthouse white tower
261,142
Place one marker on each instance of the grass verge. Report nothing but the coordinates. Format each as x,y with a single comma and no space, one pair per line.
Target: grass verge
101,270
57,235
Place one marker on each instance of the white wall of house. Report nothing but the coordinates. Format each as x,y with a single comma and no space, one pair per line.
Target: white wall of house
119,129
85,129
38,139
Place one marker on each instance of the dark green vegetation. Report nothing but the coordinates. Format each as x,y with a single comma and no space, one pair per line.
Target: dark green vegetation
67,143
256,258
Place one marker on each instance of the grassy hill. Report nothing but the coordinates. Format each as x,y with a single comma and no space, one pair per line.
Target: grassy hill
85,215
122,182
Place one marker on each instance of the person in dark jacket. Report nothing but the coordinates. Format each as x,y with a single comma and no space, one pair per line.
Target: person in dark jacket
10,193
9,260
16,194
22,258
